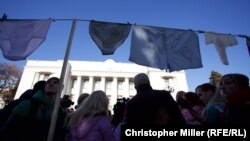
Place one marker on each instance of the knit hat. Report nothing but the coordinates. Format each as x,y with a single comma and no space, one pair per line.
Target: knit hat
141,79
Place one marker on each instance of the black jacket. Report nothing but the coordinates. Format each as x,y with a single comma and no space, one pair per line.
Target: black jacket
153,107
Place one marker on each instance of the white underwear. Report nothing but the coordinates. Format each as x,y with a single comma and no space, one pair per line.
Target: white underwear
18,39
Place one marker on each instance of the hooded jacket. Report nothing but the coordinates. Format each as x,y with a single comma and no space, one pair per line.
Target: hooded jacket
97,128
24,125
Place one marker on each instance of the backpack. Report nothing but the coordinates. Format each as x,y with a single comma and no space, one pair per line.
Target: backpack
31,128
7,110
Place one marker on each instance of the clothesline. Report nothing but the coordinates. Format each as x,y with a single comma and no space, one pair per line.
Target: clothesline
100,31
86,20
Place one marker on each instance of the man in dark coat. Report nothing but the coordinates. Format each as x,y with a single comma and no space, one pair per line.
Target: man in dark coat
152,107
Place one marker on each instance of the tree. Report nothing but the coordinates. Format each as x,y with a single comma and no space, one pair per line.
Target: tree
215,78
9,79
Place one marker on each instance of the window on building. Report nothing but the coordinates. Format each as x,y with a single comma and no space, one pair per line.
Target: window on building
120,84
85,84
131,84
119,96
167,84
74,81
108,93
110,106
46,76
108,84
109,97
97,83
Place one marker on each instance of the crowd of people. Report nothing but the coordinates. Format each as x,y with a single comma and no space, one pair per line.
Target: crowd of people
91,120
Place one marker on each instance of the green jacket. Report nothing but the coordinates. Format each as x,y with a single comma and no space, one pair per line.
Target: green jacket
30,121
43,112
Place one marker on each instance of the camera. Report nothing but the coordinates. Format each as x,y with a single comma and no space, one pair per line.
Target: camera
66,102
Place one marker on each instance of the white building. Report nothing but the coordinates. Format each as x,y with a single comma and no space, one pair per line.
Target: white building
1,102
115,78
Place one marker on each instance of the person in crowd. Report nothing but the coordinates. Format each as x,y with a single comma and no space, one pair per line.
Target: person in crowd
90,122
152,107
205,91
212,113
179,97
80,99
119,111
230,105
6,111
213,103
66,103
30,119
236,93
192,108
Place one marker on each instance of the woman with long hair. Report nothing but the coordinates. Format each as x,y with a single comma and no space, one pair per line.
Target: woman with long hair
90,122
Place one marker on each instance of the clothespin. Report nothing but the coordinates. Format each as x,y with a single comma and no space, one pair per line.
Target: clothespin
53,20
200,31
242,36
4,17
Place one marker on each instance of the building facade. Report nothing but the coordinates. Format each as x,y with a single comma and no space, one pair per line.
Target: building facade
115,78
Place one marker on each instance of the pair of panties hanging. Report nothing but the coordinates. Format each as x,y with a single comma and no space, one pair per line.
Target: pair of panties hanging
221,42
20,38
108,36
165,48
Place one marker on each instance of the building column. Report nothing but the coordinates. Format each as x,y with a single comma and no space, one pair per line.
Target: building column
78,84
114,92
172,83
36,78
102,87
78,89
126,87
91,82
175,86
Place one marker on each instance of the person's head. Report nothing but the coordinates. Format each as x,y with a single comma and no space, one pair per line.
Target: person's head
51,86
231,83
95,104
205,91
82,97
97,101
40,85
179,94
141,79
192,99
179,97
